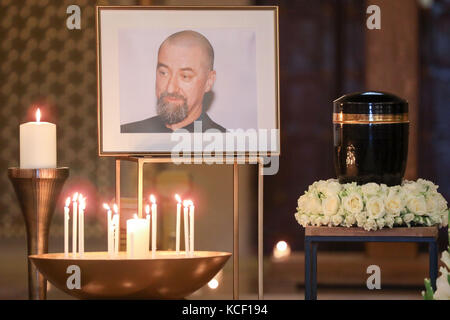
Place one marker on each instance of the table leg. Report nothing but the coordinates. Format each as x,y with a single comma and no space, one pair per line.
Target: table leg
307,269
314,270
433,269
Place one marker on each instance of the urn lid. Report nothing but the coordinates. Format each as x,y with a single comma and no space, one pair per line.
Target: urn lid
370,102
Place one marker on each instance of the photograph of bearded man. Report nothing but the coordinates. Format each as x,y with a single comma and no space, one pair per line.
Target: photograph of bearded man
184,74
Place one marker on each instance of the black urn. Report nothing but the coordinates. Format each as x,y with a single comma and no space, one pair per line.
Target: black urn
370,137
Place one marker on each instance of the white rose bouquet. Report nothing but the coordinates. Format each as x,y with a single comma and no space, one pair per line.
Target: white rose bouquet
372,206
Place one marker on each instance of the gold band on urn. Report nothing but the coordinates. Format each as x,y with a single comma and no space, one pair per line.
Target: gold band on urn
356,118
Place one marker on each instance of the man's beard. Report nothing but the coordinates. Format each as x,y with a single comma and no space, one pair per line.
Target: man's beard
172,112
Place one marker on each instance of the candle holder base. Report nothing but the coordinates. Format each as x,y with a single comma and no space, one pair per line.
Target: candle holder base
163,275
37,191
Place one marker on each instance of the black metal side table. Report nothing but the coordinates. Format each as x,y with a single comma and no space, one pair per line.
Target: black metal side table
314,235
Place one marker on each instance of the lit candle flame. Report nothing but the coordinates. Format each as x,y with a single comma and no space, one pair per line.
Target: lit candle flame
106,206
185,203
68,201
147,209
152,199
135,216
75,197
38,115
177,197
116,208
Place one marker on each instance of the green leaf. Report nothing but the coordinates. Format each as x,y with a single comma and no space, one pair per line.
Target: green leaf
428,290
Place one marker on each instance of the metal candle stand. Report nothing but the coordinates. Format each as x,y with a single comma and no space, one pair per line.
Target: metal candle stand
140,161
37,191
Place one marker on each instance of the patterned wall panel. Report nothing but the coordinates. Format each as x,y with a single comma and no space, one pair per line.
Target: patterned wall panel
44,63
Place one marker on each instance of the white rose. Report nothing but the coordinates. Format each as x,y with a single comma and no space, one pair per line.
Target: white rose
318,221
384,190
349,220
375,208
302,219
361,219
389,220
441,203
436,218
336,219
311,204
417,205
428,184
330,205
325,220
394,204
444,216
431,204
353,203
442,286
407,218
445,258
302,203
412,187
381,223
370,188
370,224
333,186
398,220
318,186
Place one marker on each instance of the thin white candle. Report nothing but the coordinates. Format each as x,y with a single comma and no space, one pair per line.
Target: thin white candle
74,222
191,225
82,206
116,228
147,217
66,226
177,244
110,231
154,222
186,226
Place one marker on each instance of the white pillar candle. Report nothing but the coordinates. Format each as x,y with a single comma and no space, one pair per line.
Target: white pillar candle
82,206
154,223
178,218
137,237
109,228
191,226
74,223
116,228
66,226
37,144
186,226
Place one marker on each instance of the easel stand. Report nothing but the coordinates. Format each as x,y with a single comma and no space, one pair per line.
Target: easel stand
314,235
140,161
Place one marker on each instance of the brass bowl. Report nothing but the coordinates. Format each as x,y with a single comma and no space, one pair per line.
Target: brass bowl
166,275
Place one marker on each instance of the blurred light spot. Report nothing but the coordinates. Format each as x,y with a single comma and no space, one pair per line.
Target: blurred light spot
213,284
281,250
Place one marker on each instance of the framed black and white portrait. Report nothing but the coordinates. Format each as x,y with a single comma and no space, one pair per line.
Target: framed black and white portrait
204,75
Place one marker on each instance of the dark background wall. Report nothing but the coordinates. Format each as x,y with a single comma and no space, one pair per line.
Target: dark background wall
321,57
